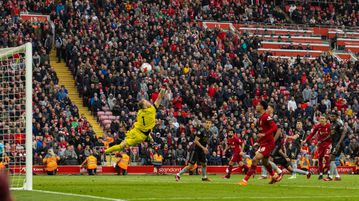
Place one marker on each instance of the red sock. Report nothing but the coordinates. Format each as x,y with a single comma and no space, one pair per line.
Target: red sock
230,169
320,165
251,171
269,169
327,163
245,167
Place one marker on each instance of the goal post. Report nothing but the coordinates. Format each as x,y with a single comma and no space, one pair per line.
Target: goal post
16,114
28,111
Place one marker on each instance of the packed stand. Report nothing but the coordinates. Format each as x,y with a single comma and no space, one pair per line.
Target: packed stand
210,73
57,123
341,13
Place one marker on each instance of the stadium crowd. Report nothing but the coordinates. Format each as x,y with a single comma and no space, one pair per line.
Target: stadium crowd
341,13
211,74
57,124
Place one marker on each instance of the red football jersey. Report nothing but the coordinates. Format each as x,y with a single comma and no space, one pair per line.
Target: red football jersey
323,133
267,127
235,143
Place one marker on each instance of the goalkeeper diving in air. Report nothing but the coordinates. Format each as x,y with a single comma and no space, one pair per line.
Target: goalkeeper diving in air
145,122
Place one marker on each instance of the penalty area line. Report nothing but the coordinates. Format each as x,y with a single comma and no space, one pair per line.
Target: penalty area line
243,198
79,195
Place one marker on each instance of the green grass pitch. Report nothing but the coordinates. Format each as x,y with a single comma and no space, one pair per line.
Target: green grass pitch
146,187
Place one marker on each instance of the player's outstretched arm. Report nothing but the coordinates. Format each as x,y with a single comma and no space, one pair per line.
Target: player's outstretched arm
294,137
150,139
311,135
83,163
160,97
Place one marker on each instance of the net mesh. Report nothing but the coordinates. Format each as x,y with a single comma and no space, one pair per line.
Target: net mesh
12,116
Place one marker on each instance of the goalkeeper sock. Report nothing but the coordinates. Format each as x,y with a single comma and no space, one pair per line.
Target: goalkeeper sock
275,167
295,167
204,172
299,171
184,170
114,148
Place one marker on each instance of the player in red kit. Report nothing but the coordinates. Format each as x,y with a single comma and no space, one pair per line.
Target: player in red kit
236,145
267,129
324,142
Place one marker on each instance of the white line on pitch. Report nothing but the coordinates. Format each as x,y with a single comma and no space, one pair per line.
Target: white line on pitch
79,195
329,187
242,198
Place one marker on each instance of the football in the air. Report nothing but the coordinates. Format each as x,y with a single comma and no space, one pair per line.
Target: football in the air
146,68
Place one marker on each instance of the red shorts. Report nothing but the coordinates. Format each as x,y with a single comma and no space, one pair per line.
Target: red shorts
236,157
266,149
324,150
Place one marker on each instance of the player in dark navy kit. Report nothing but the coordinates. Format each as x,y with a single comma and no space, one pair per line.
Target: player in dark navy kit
298,137
281,158
279,155
337,133
199,152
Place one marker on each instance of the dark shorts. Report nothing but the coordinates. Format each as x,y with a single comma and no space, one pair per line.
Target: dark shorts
280,160
197,156
336,151
294,152
275,151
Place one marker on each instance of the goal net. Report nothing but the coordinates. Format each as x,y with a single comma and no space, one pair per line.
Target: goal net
16,115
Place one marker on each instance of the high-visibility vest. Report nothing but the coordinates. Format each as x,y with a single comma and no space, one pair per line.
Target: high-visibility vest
304,163
51,163
123,163
194,167
157,158
2,166
91,162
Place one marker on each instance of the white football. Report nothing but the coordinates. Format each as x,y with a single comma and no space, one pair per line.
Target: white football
146,68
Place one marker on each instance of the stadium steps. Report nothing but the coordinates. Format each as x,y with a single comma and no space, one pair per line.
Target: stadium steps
66,79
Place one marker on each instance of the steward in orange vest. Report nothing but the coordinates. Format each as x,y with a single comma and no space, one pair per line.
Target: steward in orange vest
50,161
90,164
122,164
